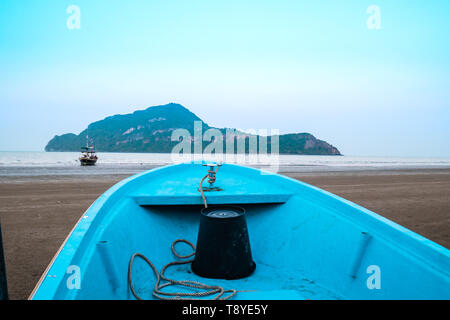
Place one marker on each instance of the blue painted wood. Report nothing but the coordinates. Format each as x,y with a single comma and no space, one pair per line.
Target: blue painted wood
310,245
213,198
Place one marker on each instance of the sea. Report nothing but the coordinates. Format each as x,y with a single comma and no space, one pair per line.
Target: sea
35,163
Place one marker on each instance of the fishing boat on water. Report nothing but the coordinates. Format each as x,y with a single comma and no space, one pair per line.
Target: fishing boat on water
88,156
187,231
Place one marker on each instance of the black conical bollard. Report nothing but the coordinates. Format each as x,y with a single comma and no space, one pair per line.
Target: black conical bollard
223,246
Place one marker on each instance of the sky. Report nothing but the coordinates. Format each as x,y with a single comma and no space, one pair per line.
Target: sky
372,83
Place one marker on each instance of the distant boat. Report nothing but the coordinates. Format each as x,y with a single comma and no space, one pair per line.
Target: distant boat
88,157
306,243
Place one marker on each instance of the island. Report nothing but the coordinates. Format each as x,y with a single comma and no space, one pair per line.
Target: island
152,130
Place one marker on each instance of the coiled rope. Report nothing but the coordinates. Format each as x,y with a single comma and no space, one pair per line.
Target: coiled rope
218,291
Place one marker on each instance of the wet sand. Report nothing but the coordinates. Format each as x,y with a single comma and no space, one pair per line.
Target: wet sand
37,213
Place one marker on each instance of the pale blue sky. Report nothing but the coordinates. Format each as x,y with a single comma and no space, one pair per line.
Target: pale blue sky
296,66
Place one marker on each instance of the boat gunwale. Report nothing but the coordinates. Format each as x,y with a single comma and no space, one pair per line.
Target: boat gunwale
100,202
380,226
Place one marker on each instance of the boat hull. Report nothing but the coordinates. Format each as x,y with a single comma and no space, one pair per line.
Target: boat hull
88,162
306,242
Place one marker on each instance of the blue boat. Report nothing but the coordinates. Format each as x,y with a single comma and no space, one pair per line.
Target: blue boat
305,243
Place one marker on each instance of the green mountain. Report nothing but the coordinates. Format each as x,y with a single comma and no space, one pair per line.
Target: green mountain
150,130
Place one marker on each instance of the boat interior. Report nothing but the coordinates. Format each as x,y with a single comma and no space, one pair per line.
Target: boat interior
306,242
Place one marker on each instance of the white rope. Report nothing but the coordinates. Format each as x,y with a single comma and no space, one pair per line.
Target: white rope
212,178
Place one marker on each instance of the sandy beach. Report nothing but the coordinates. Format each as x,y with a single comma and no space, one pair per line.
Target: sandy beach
37,213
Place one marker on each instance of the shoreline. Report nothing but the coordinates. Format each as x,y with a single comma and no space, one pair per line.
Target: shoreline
82,173
38,212
66,163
